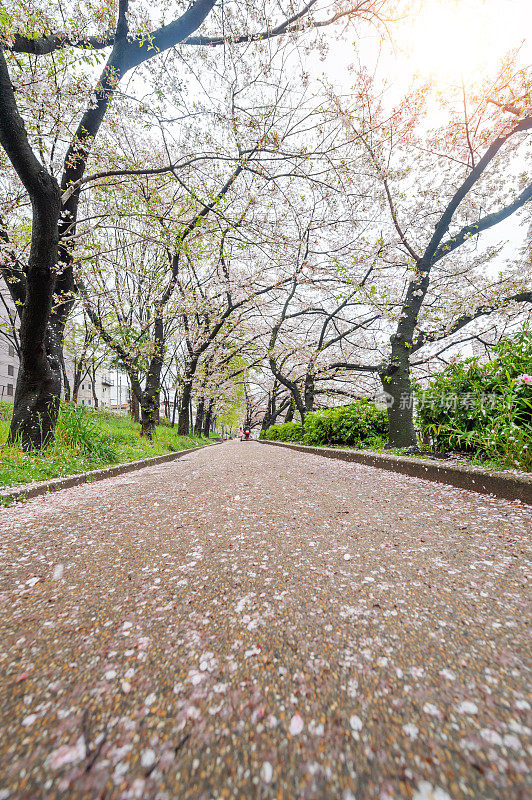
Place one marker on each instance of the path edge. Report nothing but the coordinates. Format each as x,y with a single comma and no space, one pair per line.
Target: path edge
474,479
22,492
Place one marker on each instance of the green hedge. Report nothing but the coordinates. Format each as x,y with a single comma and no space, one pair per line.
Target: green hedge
484,408
360,424
284,432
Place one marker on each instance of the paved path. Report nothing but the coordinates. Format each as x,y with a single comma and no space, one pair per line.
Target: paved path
251,622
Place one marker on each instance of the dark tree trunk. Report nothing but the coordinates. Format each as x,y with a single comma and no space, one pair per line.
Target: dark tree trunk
395,379
184,417
38,391
310,391
149,399
77,379
66,382
148,417
174,409
267,416
275,411
166,402
208,419
290,413
134,407
93,386
198,427
183,420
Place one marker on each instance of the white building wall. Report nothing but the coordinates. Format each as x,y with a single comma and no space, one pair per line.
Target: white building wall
9,364
8,357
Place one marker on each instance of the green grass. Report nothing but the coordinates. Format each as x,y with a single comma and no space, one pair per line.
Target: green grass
456,458
85,440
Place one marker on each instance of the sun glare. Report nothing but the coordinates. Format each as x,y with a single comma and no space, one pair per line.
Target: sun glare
455,40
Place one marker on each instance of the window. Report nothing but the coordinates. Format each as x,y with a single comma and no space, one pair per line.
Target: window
82,385
10,389
11,351
10,369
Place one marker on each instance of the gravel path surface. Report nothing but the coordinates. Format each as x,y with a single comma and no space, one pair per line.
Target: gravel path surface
250,622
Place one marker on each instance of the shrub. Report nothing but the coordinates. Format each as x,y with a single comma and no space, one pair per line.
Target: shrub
360,424
285,432
484,408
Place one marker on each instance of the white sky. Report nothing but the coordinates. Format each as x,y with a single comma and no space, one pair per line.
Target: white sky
448,42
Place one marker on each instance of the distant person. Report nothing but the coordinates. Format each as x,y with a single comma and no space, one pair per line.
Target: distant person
240,433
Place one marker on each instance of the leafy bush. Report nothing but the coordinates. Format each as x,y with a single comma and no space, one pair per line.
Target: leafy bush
360,424
285,432
484,408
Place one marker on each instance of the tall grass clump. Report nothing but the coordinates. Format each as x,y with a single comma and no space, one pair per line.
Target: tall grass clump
79,429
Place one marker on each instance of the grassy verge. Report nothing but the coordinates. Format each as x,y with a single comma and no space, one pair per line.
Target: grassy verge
451,458
446,459
85,439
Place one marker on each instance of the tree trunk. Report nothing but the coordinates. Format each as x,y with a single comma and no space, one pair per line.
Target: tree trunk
149,400
66,382
174,409
198,427
184,417
290,413
134,407
310,391
77,379
208,419
166,402
148,417
183,420
395,379
93,386
38,392
270,411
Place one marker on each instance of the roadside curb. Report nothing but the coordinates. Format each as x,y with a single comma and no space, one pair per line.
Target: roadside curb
22,492
475,479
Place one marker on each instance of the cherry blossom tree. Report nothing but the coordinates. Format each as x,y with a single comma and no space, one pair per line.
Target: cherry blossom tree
442,189
127,38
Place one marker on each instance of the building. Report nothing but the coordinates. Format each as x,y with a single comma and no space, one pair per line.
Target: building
8,354
9,365
101,386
